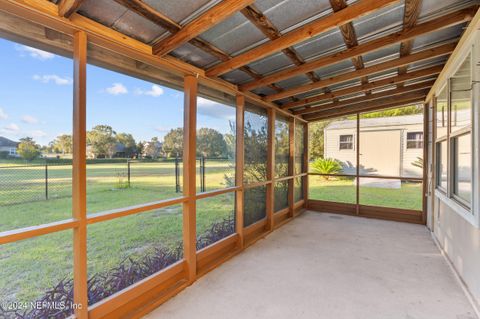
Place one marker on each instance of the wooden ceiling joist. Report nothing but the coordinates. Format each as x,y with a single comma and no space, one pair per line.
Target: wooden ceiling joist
410,17
261,21
358,9
394,101
380,67
151,14
205,21
68,7
367,87
446,21
369,97
349,37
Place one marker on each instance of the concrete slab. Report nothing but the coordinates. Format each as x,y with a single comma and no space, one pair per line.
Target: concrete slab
333,267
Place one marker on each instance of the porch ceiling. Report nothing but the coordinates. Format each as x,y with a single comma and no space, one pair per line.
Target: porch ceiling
298,53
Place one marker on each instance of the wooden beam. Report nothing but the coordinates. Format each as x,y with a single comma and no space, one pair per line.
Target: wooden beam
205,21
369,105
349,36
271,169
410,17
369,97
367,87
239,168
79,179
446,21
291,167
264,24
149,13
419,56
303,33
68,7
189,176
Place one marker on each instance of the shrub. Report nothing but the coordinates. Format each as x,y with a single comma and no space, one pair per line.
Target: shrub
326,166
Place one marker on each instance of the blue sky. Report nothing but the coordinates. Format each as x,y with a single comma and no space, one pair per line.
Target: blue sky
36,99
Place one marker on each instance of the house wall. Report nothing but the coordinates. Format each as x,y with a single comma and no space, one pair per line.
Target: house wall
455,228
348,157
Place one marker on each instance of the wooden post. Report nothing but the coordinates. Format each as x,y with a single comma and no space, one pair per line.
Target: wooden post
357,192
79,183
305,163
291,167
425,162
271,168
239,168
189,176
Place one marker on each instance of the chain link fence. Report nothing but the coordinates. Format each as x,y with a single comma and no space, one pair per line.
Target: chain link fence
24,183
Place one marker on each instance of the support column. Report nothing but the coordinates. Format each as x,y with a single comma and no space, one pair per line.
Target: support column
189,174
239,168
271,169
291,167
79,183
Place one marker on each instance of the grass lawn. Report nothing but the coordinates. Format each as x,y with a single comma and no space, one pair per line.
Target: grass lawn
31,266
409,196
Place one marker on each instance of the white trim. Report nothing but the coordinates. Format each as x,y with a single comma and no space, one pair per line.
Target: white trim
457,208
458,278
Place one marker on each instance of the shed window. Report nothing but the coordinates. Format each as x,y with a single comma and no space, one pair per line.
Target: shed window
346,142
414,139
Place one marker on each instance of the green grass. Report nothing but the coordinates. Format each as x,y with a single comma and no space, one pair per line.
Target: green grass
31,266
409,196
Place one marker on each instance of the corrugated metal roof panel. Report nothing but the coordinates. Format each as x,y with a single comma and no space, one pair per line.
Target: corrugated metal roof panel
234,34
322,44
383,20
387,53
271,63
438,36
237,76
334,69
138,27
287,13
105,12
295,81
180,10
194,55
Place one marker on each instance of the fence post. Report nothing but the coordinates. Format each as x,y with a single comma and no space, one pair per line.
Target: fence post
177,175
128,172
46,181
203,175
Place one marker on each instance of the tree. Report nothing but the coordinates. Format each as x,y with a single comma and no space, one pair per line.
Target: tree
63,144
210,143
128,142
153,148
173,142
139,148
28,149
102,141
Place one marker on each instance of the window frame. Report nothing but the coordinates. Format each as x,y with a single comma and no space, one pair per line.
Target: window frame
352,142
416,141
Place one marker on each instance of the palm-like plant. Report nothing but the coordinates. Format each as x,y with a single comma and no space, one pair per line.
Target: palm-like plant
326,166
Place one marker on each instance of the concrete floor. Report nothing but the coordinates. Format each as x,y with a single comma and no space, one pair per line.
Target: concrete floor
333,267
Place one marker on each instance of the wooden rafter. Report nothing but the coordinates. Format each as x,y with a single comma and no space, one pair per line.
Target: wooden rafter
367,87
419,56
410,17
303,33
68,7
205,21
349,36
446,21
365,98
151,14
393,101
264,24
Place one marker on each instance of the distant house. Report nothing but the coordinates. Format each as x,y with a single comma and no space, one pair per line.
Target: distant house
8,146
389,146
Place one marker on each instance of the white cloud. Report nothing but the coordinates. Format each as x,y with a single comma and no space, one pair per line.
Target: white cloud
35,53
29,119
3,115
58,80
216,110
38,133
117,89
155,91
162,129
11,128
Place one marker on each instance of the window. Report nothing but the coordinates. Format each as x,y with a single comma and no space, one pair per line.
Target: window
461,97
442,157
462,168
255,144
12,152
346,142
282,147
442,113
414,139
